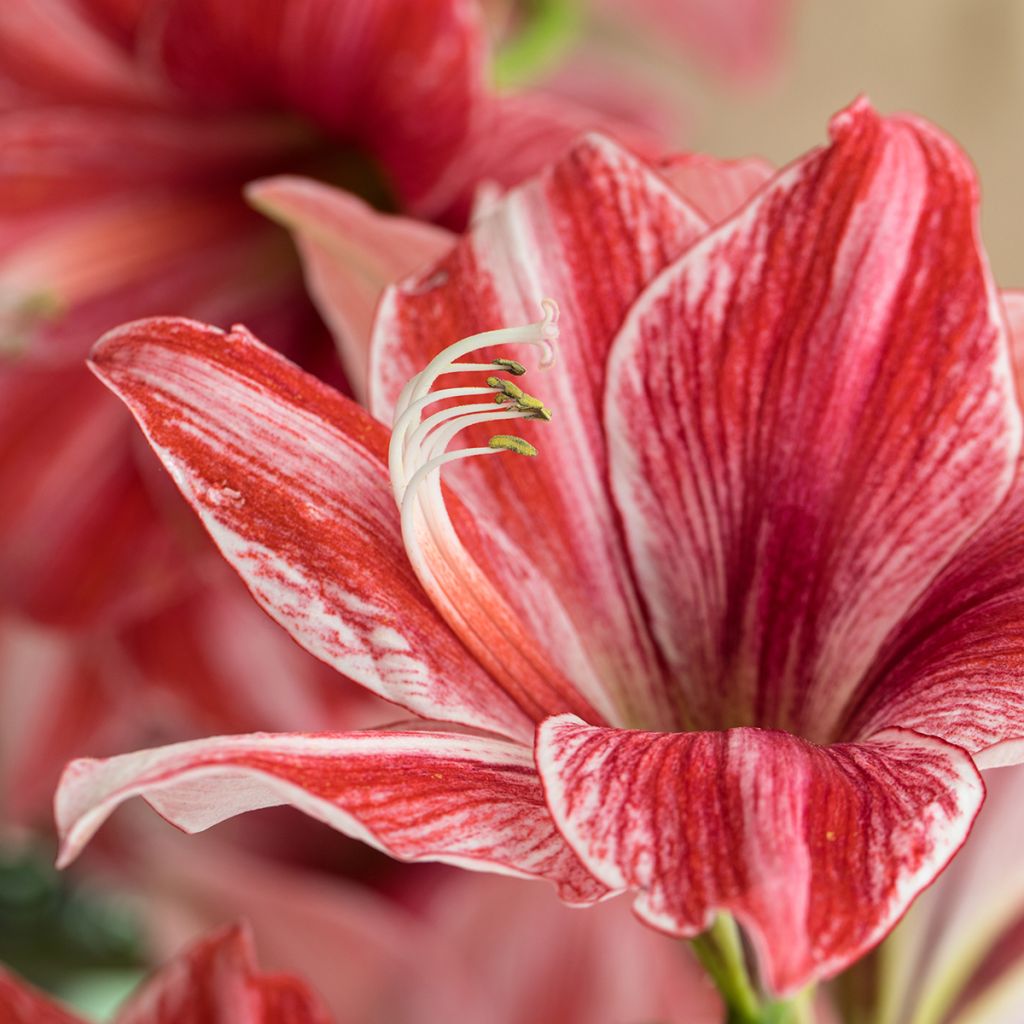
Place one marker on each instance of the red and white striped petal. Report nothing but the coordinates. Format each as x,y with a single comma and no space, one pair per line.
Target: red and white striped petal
351,253
809,413
289,477
718,188
956,667
216,981
590,232
463,799
817,851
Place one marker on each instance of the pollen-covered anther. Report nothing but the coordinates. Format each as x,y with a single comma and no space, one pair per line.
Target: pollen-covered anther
510,366
511,443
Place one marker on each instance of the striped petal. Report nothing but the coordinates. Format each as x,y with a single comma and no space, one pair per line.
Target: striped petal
289,478
807,419
955,668
513,137
350,253
463,799
817,851
590,232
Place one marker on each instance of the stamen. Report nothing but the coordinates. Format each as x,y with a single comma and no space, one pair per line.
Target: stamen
463,589
419,446
510,366
511,443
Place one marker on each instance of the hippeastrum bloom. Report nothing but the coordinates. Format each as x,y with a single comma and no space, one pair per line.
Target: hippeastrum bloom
736,640
216,981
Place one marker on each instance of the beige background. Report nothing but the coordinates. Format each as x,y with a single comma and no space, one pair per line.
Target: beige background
958,62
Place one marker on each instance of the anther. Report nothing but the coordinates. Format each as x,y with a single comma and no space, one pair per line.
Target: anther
511,443
510,366
419,444
507,391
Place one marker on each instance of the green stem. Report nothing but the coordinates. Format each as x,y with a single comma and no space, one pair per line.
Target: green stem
549,29
720,950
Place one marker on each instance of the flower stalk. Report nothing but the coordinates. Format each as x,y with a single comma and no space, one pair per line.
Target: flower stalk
720,951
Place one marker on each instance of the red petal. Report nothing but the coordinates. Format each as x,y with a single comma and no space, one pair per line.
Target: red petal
190,254
65,461
52,52
956,667
351,253
50,157
216,981
222,664
817,851
289,478
808,418
513,138
20,1003
57,700
463,799
401,77
590,232
718,188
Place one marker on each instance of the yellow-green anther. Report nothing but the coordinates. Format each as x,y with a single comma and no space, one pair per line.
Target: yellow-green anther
527,403
506,387
511,443
543,413
510,366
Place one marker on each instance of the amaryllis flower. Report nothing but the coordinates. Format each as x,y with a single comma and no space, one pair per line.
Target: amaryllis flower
216,981
736,640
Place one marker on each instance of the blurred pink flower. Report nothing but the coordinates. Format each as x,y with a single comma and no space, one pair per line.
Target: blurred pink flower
214,982
735,642
431,946
741,39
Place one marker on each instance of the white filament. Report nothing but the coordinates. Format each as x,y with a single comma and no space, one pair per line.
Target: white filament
419,447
